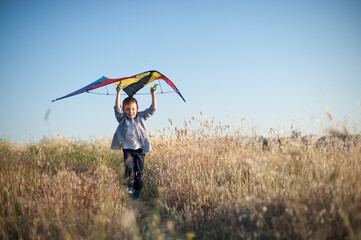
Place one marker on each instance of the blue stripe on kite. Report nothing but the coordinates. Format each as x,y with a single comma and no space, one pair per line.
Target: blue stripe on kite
98,81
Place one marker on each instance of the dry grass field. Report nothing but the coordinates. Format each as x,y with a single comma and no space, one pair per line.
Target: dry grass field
202,181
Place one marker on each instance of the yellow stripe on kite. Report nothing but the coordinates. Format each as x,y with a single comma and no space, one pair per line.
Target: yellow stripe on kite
129,81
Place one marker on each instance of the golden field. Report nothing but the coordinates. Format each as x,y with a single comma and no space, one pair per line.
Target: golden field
202,181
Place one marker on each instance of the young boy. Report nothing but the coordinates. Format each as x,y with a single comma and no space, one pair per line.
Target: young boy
132,136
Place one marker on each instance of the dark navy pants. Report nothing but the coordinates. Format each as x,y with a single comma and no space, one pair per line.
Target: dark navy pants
134,160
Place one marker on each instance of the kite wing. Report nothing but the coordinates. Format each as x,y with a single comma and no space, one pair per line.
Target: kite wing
130,85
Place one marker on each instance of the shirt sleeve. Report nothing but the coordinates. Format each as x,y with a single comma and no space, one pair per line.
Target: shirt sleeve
119,115
147,112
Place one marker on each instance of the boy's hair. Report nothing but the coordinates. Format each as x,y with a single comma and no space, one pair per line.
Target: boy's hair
129,100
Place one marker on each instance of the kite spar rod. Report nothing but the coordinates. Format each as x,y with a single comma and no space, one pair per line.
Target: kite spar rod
98,93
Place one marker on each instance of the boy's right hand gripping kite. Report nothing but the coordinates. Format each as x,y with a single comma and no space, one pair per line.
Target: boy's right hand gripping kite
119,87
130,85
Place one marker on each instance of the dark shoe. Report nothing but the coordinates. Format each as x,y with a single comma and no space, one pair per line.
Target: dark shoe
136,194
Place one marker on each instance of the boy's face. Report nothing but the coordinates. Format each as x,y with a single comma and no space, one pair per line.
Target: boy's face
130,110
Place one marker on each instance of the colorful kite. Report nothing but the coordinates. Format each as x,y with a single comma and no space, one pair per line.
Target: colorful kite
130,85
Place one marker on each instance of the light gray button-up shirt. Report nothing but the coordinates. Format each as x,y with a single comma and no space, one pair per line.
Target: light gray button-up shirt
140,128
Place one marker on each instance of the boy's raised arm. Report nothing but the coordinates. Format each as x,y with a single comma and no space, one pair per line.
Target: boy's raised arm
154,100
117,99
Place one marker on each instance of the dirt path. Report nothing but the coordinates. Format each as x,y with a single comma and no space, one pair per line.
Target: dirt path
150,223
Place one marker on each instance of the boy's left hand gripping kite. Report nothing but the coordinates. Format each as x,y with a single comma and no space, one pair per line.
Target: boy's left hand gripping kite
130,85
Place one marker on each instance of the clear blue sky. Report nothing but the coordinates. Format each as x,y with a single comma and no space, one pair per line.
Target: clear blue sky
273,63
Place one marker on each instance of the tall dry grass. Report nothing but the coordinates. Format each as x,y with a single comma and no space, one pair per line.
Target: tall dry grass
62,189
205,180
225,186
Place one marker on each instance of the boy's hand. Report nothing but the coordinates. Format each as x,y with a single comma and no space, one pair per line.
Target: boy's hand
154,88
119,87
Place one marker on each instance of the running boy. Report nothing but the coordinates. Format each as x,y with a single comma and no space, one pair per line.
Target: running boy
132,136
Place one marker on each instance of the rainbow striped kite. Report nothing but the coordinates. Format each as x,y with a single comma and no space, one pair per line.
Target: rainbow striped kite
130,85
